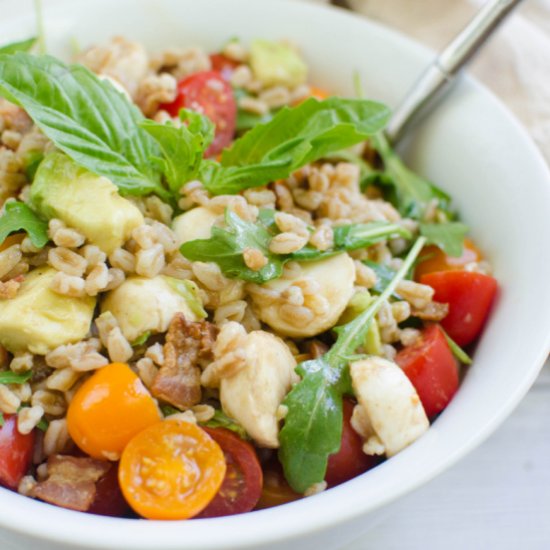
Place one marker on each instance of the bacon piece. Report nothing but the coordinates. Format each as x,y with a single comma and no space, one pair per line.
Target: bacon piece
188,345
434,311
71,481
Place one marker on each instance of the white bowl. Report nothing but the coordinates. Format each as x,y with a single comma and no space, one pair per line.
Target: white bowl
471,146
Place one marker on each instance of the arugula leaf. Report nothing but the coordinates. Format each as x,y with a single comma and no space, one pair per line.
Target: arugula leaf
384,275
182,147
85,117
20,46
410,193
447,236
10,377
221,420
140,340
313,425
17,216
294,137
457,351
226,247
361,235
43,425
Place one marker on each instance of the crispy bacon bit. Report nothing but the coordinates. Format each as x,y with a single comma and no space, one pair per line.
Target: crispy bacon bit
434,311
71,482
188,345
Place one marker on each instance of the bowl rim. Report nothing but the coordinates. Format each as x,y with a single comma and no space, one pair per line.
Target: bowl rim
109,533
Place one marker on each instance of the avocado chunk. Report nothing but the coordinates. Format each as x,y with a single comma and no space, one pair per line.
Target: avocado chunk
39,320
86,202
275,63
142,305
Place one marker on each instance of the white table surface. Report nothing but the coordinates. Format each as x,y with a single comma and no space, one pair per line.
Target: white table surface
498,497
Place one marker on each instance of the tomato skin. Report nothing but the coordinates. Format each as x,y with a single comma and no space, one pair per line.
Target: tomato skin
242,485
350,461
469,296
209,93
15,452
109,500
432,369
275,489
171,470
223,65
437,260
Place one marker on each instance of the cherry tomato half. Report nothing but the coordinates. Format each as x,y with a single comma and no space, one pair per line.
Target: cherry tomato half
110,408
469,296
437,260
432,369
208,93
275,490
171,470
242,485
350,461
15,452
109,500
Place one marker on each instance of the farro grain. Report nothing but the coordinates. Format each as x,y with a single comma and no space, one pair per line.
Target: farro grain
253,105
27,247
408,336
260,197
21,362
297,316
322,238
69,262
97,280
120,350
68,238
123,259
418,295
56,437
23,391
233,311
254,258
93,254
209,275
150,262
241,76
8,290
389,352
293,295
28,418
62,379
9,258
315,489
20,269
11,139
275,97
310,200
286,243
51,401
26,485
401,311
104,324
159,210
116,277
68,285
144,236
156,354
250,321
203,412
155,89
235,51
318,304
9,402
146,371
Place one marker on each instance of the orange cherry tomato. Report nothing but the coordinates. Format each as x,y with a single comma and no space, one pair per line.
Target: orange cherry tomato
17,238
171,470
110,408
437,260
317,93
275,489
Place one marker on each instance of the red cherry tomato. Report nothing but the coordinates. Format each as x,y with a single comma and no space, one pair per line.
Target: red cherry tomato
242,485
275,490
15,452
223,65
469,296
108,499
350,460
432,369
208,93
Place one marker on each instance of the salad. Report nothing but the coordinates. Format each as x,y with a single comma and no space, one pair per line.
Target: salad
220,288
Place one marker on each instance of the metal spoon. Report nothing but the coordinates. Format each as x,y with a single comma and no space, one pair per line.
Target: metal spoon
441,73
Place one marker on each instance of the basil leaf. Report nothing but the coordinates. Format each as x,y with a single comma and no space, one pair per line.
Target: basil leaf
221,420
10,377
457,351
85,117
409,193
294,137
226,248
20,46
313,425
17,216
182,147
447,236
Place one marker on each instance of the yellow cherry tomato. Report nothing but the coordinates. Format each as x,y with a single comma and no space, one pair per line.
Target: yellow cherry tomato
110,408
171,470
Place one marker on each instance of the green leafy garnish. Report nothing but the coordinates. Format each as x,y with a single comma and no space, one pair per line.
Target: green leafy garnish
410,193
20,46
313,425
293,138
140,340
384,275
43,425
168,410
221,420
447,236
2,419
189,291
10,377
457,351
226,246
85,117
18,216
182,147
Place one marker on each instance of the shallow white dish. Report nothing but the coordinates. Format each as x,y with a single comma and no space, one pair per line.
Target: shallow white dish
471,146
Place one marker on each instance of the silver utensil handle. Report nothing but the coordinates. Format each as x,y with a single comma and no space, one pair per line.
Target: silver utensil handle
447,64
